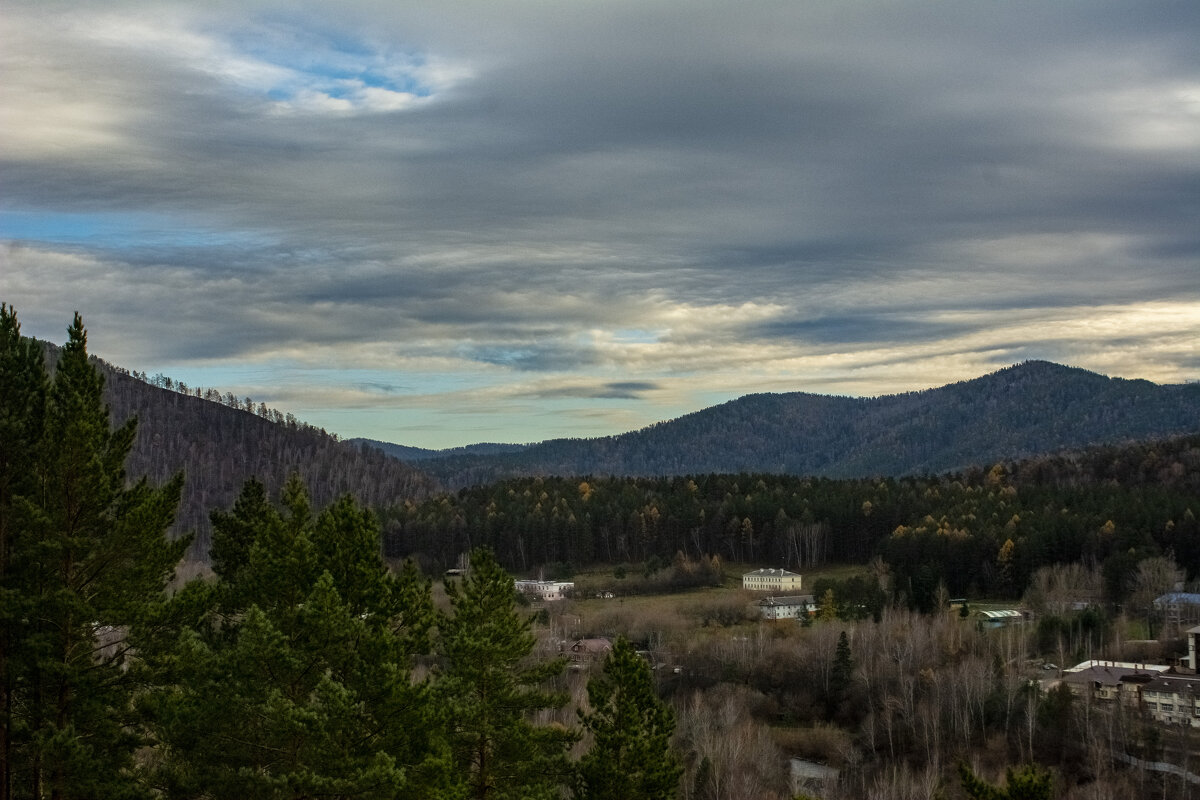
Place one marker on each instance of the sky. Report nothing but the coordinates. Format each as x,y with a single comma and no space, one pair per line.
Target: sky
443,223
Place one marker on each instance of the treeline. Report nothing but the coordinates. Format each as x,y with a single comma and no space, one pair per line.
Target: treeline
981,532
306,669
229,399
219,443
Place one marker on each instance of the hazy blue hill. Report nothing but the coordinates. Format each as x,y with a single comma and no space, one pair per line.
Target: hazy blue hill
1021,411
406,453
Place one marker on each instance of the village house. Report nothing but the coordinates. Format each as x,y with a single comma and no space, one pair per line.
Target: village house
587,651
999,618
771,580
793,607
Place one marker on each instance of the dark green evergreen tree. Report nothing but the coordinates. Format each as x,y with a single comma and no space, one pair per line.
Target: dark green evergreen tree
1029,782
490,687
630,758
295,679
841,673
23,387
86,560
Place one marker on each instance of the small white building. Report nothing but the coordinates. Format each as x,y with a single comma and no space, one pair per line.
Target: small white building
545,591
794,607
771,580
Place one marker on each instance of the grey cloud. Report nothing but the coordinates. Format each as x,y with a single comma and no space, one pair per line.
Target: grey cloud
613,390
857,329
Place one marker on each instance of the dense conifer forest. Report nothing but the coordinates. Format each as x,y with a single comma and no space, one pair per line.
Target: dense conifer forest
982,532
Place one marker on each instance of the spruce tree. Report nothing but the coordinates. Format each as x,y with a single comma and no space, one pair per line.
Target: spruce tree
631,757
841,674
86,560
295,679
1029,782
490,688
23,388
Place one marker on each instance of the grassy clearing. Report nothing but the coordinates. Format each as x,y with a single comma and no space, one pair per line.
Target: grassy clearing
674,618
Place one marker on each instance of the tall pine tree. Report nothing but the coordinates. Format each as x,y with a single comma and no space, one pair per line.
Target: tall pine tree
631,757
491,688
23,387
85,559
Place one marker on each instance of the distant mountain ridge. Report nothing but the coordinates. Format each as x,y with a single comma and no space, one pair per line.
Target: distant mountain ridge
1026,410
406,453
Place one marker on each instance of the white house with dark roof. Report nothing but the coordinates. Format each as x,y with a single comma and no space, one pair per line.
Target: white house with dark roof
771,580
793,607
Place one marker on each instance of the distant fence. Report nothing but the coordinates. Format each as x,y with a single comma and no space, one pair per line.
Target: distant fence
1159,766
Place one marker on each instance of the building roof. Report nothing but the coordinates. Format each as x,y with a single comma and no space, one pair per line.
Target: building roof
592,646
1107,676
1130,665
770,573
1004,613
1180,598
1173,684
791,600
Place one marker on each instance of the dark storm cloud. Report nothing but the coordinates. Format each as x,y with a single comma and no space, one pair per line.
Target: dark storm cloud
855,329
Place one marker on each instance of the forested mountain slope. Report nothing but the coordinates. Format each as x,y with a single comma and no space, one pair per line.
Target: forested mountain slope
218,448
1018,412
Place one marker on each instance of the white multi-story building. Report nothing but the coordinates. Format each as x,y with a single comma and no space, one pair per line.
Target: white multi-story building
1173,699
545,590
771,580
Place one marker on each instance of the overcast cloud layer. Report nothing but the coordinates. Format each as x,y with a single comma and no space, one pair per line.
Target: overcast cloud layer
438,224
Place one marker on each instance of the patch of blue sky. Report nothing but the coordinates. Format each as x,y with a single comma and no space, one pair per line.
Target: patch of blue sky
636,336
116,229
336,64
